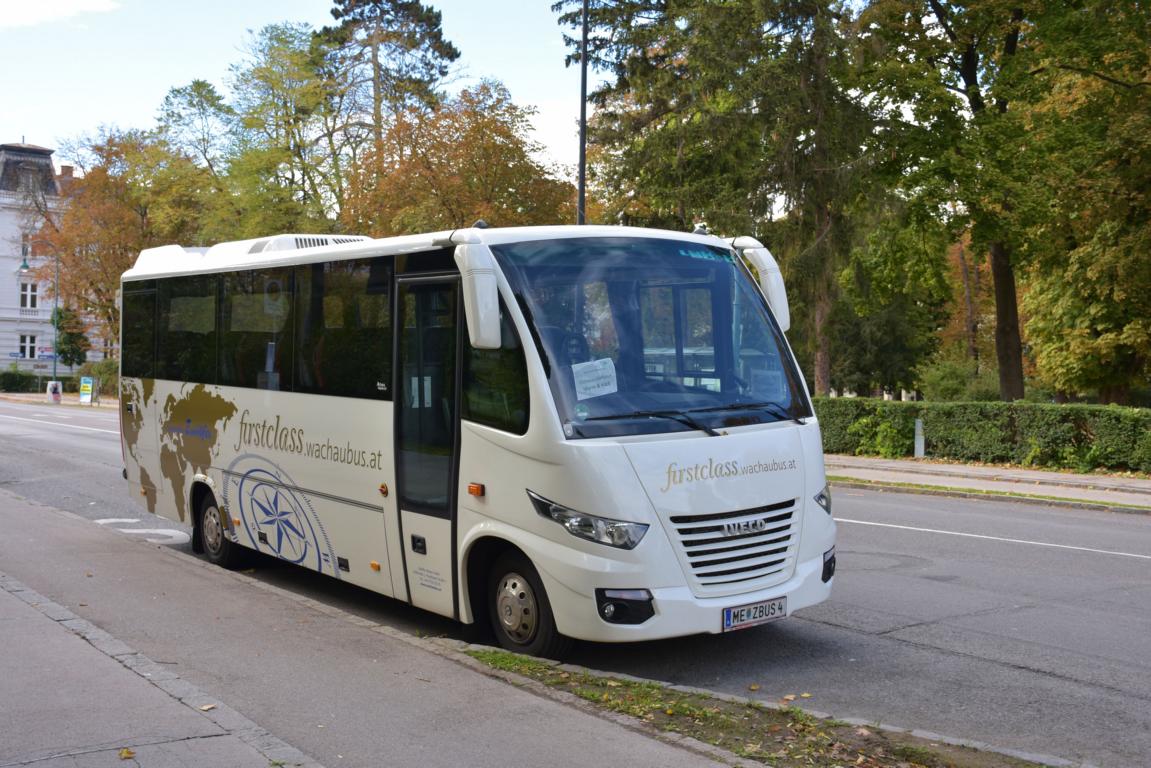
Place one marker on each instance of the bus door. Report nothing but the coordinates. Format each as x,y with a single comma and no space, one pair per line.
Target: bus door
427,436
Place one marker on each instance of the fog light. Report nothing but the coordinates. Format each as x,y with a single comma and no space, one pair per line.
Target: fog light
625,606
828,564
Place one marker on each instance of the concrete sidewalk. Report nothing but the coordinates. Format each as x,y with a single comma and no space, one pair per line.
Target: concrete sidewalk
84,611
75,696
1103,491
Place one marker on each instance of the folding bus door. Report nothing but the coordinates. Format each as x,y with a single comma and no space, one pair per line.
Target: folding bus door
427,436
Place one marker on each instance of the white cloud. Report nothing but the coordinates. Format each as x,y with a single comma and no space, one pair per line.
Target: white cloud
29,13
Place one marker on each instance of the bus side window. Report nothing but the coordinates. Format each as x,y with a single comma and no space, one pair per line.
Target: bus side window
496,382
255,329
138,339
343,342
186,329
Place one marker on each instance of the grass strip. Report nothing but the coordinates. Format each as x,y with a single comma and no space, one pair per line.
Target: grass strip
783,735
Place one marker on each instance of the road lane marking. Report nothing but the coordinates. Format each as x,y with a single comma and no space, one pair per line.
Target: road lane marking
58,424
160,535
152,535
995,538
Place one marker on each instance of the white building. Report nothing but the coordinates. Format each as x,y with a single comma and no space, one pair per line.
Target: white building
26,333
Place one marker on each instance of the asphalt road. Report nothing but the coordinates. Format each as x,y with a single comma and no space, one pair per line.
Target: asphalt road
1020,625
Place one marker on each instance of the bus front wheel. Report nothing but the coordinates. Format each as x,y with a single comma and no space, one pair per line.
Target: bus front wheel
521,615
213,533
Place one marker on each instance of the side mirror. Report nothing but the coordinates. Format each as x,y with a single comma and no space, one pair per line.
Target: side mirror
770,278
481,294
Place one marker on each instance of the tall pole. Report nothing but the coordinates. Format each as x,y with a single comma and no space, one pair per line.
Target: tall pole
582,121
56,316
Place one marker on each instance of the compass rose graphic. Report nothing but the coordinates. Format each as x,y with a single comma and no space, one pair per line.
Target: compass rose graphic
280,520
276,517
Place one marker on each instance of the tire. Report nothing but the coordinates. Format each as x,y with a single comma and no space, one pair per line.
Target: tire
521,616
218,548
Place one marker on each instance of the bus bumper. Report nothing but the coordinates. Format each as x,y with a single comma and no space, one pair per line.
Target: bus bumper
677,612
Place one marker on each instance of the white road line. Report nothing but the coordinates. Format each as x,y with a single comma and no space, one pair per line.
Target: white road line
58,424
995,538
159,535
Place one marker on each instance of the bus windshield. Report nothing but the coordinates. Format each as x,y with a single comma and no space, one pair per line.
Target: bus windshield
647,335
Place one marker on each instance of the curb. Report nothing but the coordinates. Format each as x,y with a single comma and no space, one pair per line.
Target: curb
838,481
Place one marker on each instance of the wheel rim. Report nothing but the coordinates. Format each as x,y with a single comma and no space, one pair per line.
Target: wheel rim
516,608
213,530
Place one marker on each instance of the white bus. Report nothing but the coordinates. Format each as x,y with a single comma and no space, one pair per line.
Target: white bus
561,432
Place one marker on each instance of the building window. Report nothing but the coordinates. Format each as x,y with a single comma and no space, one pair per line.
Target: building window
28,296
27,347
25,246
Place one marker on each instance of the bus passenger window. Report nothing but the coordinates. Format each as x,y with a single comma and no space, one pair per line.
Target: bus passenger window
344,328
186,329
255,331
138,341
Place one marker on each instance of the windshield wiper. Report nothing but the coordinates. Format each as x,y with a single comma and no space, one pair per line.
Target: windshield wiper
775,409
679,416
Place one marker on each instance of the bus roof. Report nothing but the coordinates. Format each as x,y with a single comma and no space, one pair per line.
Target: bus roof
282,250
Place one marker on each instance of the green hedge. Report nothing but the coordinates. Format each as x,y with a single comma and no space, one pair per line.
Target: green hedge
1083,437
17,381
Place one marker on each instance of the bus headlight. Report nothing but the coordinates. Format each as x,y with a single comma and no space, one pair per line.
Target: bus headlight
613,533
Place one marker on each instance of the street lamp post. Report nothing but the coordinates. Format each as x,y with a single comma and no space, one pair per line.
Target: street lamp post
25,269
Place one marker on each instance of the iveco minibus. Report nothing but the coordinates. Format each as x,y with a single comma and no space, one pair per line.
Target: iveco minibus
563,432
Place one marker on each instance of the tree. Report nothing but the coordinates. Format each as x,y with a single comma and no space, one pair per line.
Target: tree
72,343
402,46
283,173
1089,119
135,193
471,159
953,68
773,141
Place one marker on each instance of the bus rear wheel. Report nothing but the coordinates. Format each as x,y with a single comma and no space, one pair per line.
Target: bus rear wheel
521,615
213,533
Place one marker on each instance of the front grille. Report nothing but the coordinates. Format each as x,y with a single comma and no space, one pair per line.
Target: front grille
727,552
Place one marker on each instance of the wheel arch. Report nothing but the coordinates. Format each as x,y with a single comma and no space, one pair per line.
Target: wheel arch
201,489
479,557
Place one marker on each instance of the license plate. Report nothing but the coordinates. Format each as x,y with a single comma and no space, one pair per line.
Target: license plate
754,613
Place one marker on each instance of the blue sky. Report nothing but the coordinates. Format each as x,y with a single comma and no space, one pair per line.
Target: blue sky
72,66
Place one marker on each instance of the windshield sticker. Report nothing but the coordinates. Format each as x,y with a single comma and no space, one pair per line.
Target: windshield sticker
595,378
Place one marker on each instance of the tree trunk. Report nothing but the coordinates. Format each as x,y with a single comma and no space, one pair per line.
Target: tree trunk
1008,345
972,324
822,353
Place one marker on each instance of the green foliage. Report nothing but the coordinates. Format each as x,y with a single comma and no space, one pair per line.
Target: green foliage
105,372
951,378
887,432
1079,437
16,380
72,343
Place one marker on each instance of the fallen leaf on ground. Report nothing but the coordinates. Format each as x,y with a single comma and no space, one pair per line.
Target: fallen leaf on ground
613,684
753,687
125,753
789,697
207,707
805,695
862,732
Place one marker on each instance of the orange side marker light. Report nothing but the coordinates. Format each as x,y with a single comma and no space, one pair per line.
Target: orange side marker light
375,566
476,489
